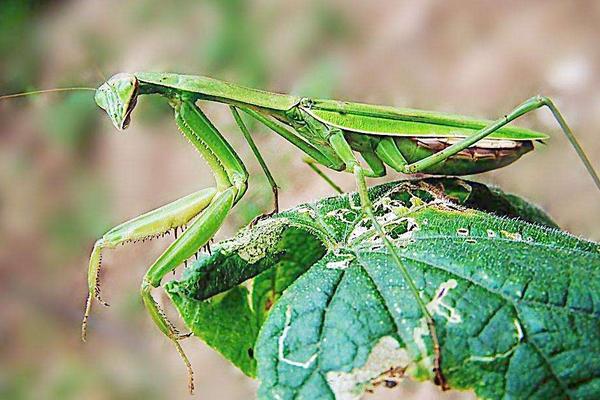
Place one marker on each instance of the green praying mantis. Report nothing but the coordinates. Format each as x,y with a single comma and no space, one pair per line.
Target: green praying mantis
331,133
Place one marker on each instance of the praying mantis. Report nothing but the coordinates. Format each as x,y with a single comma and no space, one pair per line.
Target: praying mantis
331,133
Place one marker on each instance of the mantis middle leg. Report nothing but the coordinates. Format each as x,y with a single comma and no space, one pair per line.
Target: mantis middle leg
261,161
313,165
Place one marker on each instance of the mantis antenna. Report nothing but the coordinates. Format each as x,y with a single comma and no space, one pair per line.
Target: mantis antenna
67,89
23,94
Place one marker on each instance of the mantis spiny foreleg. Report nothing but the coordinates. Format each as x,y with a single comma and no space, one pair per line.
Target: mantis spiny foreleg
205,209
199,233
151,224
231,177
343,149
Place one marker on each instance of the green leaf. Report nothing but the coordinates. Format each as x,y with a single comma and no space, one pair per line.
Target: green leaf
516,305
227,316
492,200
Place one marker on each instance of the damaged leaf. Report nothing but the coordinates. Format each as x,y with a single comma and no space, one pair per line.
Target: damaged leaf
311,303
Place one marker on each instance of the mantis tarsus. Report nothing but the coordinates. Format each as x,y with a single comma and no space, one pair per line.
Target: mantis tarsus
330,133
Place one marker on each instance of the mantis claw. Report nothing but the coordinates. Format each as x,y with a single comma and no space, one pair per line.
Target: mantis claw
440,380
98,298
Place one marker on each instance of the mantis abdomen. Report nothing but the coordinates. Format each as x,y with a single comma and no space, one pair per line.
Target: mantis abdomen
484,156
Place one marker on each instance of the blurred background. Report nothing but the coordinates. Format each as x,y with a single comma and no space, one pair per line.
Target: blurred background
66,175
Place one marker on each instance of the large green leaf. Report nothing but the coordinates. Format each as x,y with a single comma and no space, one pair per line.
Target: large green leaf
314,299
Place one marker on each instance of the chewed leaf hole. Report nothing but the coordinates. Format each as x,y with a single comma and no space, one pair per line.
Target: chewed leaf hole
462,232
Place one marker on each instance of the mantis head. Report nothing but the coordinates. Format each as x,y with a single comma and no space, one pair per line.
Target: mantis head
118,97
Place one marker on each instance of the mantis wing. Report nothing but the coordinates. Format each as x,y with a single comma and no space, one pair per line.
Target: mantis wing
384,120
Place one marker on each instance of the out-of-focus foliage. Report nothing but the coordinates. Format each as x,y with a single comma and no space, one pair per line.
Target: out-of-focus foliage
66,176
17,24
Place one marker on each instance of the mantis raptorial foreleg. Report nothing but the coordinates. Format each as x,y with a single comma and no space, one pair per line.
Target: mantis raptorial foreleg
231,177
344,151
198,234
151,224
205,209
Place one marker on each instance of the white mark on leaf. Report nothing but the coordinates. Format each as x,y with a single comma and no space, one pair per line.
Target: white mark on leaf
281,342
418,333
341,215
353,206
305,210
519,336
437,305
253,244
359,230
341,264
342,260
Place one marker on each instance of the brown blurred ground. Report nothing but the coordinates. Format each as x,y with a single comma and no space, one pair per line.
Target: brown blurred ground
66,175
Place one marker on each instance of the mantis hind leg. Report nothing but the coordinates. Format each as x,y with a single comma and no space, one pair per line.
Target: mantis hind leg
343,149
529,105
